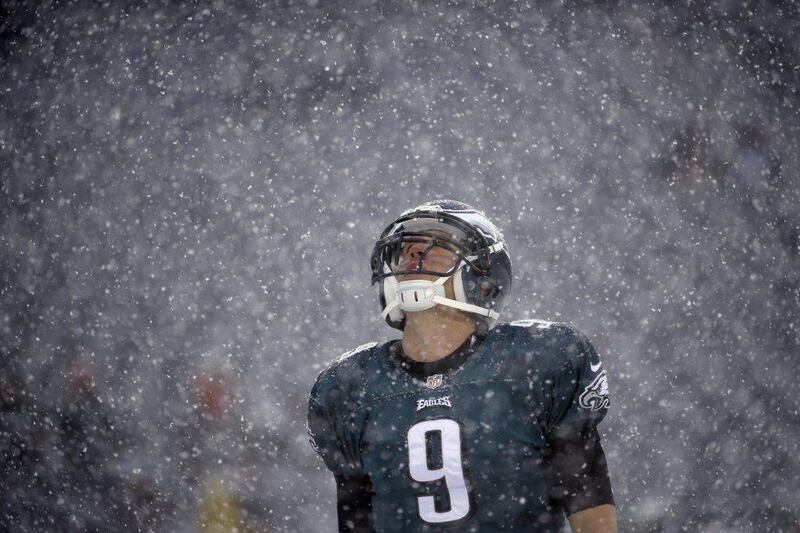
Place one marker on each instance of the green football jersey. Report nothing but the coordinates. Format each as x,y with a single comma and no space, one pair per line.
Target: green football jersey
462,449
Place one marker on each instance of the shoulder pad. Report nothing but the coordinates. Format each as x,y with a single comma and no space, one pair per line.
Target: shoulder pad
544,344
347,366
343,377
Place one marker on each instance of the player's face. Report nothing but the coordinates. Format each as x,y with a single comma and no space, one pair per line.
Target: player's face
422,256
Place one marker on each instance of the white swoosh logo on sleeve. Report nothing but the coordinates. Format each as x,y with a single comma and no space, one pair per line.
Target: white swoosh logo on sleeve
596,367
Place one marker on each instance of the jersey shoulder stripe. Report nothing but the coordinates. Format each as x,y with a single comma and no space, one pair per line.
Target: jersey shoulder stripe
529,322
358,349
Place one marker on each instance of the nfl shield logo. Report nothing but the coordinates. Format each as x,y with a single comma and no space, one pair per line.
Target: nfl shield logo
434,381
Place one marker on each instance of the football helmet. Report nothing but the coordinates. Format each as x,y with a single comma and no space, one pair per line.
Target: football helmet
470,250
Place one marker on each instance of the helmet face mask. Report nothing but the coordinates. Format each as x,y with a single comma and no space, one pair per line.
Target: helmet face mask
442,250
452,241
438,257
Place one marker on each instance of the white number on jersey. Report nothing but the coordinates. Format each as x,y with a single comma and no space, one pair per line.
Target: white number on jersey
452,470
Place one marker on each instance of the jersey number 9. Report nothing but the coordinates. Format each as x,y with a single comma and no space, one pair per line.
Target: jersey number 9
451,468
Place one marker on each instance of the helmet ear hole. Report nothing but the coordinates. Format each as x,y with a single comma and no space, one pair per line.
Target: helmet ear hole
488,289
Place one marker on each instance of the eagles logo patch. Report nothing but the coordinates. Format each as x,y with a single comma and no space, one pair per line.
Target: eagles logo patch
595,395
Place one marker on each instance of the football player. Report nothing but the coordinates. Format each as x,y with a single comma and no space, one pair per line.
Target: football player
465,424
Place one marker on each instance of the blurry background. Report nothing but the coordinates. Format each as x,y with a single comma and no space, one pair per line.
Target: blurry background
189,195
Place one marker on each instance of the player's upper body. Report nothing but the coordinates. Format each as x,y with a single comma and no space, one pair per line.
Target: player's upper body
462,425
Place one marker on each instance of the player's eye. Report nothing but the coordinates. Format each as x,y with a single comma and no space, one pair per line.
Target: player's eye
398,251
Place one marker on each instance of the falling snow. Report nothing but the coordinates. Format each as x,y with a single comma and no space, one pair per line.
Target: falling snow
189,194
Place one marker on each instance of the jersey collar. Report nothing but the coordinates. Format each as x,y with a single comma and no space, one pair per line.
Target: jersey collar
445,365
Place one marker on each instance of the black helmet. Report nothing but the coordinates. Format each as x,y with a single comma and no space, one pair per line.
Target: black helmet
481,272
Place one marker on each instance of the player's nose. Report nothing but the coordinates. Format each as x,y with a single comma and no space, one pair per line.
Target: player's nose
412,253
417,249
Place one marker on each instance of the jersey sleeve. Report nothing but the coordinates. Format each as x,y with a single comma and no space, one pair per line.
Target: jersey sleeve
577,392
331,429
354,503
578,400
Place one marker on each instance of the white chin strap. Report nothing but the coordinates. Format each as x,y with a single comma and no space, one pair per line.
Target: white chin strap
420,294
